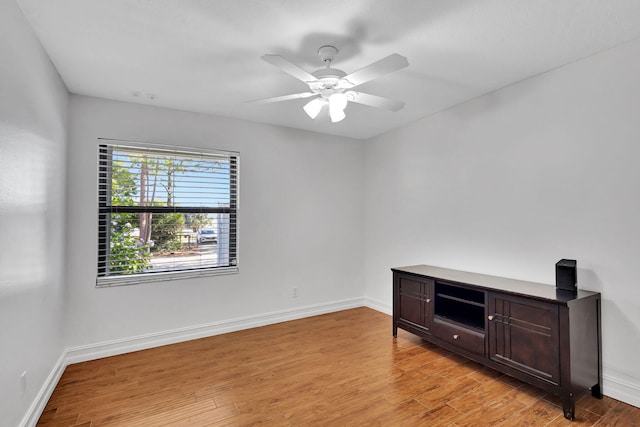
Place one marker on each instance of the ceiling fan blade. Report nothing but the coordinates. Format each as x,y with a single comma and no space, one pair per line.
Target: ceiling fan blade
379,68
301,95
377,101
289,67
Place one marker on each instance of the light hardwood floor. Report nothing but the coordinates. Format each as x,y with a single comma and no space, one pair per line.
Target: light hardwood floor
338,369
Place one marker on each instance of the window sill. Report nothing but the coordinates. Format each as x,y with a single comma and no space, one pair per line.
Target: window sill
141,278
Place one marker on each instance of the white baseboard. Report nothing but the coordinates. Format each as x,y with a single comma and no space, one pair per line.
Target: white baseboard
36,408
378,306
621,386
142,342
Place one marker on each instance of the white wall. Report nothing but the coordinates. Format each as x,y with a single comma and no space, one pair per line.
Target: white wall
301,199
33,118
511,182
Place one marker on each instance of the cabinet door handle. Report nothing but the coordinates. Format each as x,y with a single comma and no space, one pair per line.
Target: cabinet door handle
490,317
456,336
428,300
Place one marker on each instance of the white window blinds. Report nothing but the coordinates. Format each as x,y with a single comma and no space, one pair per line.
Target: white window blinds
165,212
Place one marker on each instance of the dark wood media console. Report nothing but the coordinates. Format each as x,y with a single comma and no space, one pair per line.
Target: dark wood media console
545,337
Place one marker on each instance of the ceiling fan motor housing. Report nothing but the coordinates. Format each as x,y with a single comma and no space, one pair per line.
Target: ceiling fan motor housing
329,80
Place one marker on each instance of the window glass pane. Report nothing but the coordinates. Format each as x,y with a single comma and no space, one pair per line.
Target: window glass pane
172,243
143,178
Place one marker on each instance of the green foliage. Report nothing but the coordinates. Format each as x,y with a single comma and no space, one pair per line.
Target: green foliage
123,189
166,232
127,254
123,185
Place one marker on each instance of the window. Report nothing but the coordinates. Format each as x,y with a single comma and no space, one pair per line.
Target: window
165,213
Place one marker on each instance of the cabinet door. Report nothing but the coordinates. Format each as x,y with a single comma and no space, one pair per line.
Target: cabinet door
524,335
415,301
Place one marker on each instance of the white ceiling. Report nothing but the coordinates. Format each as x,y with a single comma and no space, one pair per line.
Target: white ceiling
204,55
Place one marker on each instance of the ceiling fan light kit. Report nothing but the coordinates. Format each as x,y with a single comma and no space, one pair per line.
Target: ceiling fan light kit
313,107
337,104
332,87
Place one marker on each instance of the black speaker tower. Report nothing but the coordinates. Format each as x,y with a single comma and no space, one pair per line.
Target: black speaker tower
566,275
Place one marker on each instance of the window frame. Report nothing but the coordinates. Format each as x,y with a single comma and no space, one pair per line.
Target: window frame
105,209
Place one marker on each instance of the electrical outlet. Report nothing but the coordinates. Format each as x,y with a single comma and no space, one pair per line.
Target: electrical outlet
294,293
23,383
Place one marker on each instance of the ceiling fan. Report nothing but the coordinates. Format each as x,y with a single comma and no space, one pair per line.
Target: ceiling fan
333,88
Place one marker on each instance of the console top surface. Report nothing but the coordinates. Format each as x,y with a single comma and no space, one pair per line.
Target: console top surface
512,286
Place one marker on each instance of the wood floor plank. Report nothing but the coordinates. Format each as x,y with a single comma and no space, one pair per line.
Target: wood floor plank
438,392
443,415
338,369
583,418
620,416
538,413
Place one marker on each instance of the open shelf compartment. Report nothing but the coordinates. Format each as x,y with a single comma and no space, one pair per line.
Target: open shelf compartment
460,305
